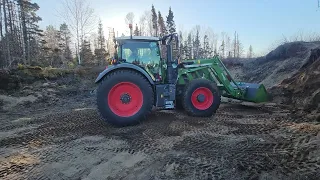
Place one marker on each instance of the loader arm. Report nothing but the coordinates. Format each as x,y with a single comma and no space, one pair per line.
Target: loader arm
221,74
214,70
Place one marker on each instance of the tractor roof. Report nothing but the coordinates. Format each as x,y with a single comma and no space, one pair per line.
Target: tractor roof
144,38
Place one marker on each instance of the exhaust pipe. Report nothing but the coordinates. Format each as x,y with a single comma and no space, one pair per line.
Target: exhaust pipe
130,26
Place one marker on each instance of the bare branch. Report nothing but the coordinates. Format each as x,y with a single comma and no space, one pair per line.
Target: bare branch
80,18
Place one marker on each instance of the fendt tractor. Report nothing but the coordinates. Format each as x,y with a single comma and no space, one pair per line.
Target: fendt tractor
140,78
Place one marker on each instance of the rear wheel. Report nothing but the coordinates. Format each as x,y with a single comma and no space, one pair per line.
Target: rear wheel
201,98
124,97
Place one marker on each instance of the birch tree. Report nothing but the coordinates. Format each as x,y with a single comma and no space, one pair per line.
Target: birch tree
81,19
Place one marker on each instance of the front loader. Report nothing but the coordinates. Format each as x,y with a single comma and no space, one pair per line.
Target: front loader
139,79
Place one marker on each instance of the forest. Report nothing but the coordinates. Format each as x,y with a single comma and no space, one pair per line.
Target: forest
78,42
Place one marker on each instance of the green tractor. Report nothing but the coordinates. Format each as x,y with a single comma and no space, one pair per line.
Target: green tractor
140,78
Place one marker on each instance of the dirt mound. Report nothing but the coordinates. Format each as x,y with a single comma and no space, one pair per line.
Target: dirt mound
291,72
44,87
281,63
16,79
8,81
303,88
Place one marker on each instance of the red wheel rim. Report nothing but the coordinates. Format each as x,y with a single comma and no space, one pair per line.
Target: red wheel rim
121,91
207,96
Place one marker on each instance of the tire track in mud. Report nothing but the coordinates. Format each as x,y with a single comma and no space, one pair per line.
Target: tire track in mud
236,143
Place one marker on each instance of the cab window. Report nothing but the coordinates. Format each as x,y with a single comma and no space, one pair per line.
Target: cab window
141,52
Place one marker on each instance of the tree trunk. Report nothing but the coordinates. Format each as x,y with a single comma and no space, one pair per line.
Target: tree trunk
2,63
7,33
1,33
24,31
10,16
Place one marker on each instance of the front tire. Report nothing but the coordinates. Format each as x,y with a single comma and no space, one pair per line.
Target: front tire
201,98
124,98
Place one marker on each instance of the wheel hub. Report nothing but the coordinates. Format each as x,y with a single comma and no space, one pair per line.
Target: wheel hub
125,98
201,98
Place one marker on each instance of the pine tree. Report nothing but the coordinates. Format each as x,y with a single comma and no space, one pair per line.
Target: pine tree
206,47
223,46
196,42
100,52
239,47
51,47
171,27
30,28
227,46
20,36
235,45
101,38
154,21
66,41
86,53
181,44
189,47
185,50
162,26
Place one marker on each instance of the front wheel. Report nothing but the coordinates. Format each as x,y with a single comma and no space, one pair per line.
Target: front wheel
201,98
124,97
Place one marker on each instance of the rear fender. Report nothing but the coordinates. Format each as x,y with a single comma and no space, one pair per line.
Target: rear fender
123,66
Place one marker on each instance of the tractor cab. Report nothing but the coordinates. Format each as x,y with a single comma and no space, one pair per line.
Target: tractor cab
141,51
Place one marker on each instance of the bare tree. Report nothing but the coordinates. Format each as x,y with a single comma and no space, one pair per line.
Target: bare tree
223,44
81,19
129,18
213,39
235,46
142,24
240,49
228,45
196,41
145,23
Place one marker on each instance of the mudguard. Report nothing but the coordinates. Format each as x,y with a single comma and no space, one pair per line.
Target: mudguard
124,66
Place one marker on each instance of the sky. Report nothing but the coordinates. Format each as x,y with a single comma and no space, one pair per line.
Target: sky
260,23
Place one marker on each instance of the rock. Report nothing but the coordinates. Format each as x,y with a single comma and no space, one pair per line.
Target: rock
45,84
51,90
27,87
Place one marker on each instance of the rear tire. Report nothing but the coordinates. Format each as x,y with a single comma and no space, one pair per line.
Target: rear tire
201,98
124,98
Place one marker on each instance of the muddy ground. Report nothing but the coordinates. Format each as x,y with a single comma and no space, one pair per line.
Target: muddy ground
50,128
57,133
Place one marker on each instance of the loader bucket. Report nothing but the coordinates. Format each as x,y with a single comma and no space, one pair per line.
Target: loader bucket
256,93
